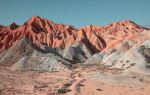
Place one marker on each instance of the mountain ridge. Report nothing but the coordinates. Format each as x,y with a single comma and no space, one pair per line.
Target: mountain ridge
42,31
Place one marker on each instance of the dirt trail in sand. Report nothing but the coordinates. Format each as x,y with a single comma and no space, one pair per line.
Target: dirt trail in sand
77,82
86,81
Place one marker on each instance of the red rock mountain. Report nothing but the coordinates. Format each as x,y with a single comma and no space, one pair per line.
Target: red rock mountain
45,32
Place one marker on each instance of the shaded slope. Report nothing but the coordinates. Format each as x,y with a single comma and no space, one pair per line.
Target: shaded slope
24,55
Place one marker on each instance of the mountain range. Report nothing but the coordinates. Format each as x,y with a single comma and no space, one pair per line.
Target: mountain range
41,44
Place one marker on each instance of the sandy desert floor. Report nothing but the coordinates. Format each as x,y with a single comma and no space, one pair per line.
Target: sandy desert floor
84,80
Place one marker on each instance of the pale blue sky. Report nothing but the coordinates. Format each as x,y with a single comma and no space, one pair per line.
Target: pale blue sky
76,12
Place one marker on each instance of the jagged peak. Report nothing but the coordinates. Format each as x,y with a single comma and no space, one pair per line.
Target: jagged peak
126,21
34,19
13,26
123,22
1,26
38,19
132,23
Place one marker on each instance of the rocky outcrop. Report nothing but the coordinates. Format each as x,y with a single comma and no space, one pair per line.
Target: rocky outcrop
135,60
24,55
